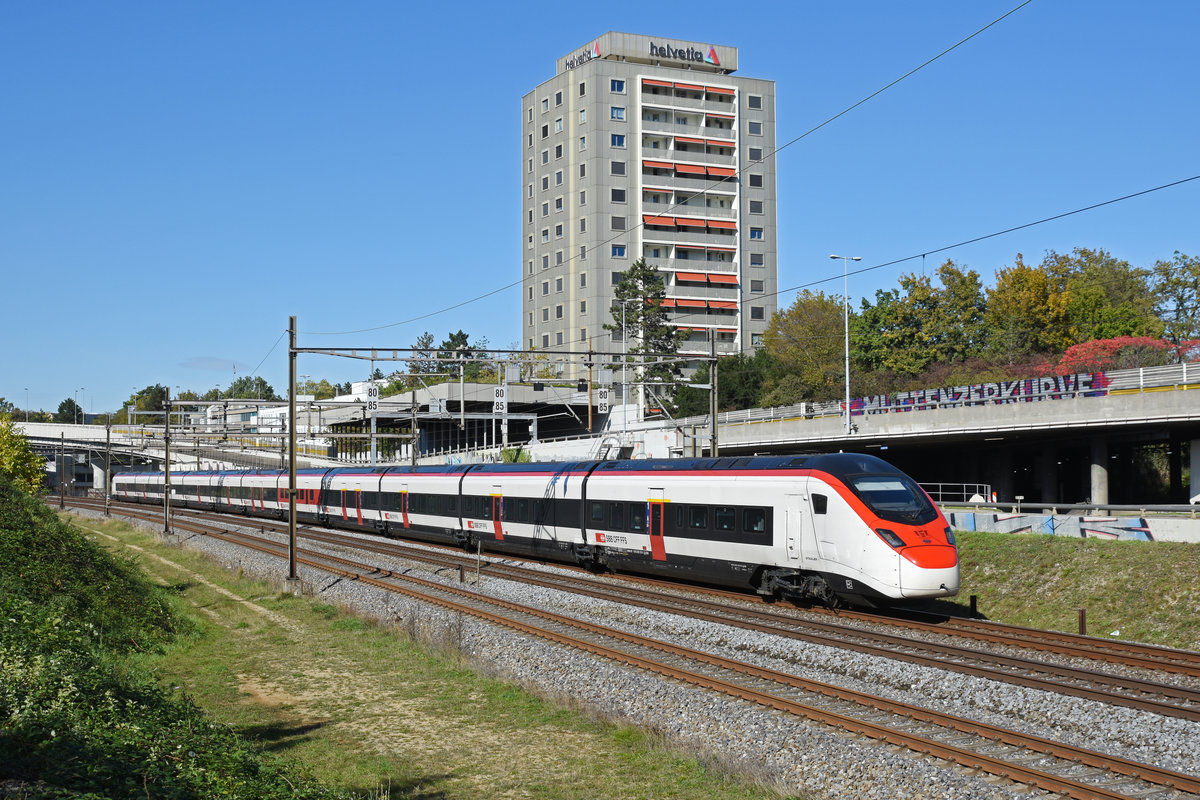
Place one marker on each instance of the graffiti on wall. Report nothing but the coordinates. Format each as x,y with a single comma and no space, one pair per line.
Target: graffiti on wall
1078,526
1029,390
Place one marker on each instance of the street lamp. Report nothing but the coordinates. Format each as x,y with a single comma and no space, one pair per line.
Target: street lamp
26,405
846,320
75,418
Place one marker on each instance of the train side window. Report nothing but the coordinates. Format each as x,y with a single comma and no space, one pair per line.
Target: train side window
754,520
370,500
724,519
697,517
616,516
597,512
820,503
680,517
637,517
523,509
452,505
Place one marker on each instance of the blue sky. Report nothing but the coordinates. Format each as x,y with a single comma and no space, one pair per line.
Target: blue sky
176,179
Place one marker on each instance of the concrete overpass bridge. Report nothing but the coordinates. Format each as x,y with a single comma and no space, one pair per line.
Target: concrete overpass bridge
1085,439
1062,440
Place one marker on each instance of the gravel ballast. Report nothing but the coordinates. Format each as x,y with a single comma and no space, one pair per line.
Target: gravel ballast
794,756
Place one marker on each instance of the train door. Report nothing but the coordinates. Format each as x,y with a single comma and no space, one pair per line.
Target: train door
657,503
793,523
404,503
497,512
358,505
824,533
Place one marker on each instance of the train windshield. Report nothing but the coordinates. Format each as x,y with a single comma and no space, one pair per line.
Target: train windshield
896,498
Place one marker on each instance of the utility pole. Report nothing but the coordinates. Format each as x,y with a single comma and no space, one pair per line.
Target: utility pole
167,466
589,362
714,449
107,463
293,578
412,445
62,470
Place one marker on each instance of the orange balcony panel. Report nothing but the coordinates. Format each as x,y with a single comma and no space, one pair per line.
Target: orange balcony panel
689,140
695,277
689,169
722,277
658,164
686,303
687,222
652,82
722,304
724,172
653,220
689,86
716,90
723,223
715,115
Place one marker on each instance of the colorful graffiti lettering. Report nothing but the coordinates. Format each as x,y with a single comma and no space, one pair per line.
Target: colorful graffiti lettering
1030,390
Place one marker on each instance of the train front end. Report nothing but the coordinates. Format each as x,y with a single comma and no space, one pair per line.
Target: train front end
909,530
896,543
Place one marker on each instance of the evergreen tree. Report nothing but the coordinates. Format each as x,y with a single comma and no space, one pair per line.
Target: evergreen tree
640,320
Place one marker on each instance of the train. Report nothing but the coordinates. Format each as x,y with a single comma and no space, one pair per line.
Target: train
838,528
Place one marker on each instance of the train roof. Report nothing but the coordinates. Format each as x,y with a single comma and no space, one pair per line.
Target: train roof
840,464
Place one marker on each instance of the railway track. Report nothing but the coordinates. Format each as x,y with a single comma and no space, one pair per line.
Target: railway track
1142,693
1051,766
1048,765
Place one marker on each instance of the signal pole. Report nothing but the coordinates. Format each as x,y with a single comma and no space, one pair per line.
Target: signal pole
293,578
167,466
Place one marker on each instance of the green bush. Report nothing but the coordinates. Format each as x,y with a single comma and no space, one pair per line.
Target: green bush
77,717
49,562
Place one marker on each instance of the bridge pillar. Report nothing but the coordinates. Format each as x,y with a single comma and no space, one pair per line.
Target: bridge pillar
1048,474
1000,475
1194,491
1099,472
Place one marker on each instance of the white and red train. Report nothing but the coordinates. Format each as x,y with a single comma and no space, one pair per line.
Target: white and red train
839,527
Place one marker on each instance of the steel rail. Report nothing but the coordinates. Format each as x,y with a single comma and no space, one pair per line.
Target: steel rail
916,742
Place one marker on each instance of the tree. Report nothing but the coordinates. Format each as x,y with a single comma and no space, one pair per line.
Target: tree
18,462
251,387
7,407
906,331
956,322
1105,296
806,340
320,390
638,315
1026,312
458,346
1177,293
68,411
1124,352
422,362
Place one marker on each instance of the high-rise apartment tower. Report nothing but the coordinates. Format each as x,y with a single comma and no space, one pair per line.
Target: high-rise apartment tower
648,147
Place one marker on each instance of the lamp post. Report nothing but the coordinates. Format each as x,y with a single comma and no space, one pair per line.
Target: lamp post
846,320
75,418
26,405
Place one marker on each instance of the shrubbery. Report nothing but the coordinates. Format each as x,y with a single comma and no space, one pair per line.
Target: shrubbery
77,718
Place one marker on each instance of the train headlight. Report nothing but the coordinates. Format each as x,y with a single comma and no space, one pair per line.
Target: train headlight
949,536
890,537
